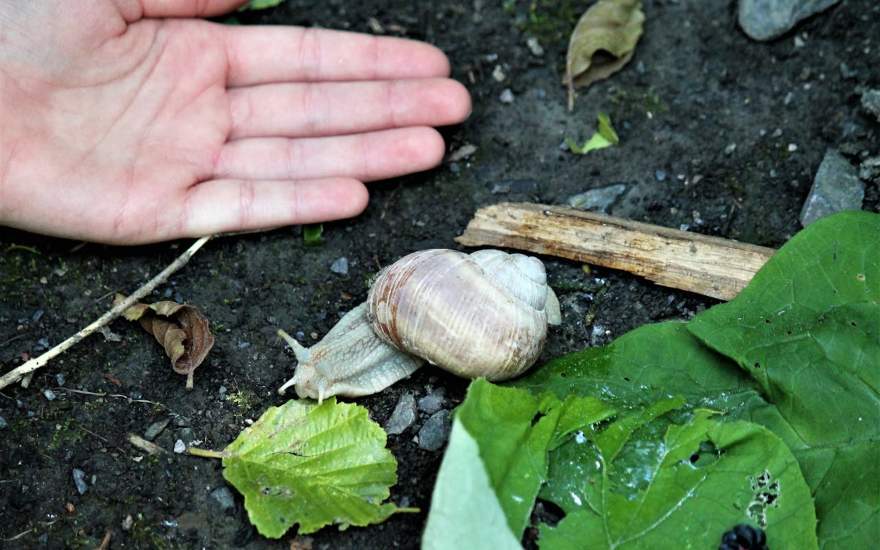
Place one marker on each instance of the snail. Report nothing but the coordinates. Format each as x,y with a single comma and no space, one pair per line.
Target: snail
479,315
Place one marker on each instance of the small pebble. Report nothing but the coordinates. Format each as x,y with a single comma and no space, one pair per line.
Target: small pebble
506,96
433,402
42,344
403,416
154,429
59,379
79,479
340,266
38,314
435,431
660,175
49,394
224,498
730,149
871,102
3,423
498,74
792,147
599,200
179,446
535,47
127,523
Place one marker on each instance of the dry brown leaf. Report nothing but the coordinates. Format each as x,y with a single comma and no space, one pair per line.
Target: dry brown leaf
603,41
181,329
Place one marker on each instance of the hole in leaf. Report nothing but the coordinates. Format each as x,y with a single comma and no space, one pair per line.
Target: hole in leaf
537,418
627,378
860,277
766,495
757,365
706,454
547,512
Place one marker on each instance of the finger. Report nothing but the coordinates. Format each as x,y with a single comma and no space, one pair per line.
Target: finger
259,55
321,109
225,205
366,157
188,8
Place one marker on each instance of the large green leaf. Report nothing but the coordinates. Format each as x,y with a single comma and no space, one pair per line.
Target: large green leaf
699,481
807,329
512,431
313,465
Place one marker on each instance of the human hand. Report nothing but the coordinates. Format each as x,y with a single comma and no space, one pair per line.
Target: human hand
127,121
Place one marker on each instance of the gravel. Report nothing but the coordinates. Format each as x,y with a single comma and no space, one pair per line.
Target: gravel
599,200
224,498
835,188
179,446
79,479
433,402
435,431
340,266
768,19
3,423
403,416
154,429
506,96
871,102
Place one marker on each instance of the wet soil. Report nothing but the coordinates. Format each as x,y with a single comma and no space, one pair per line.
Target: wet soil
696,86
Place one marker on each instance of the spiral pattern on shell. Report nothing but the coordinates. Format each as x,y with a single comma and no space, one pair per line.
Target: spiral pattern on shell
478,315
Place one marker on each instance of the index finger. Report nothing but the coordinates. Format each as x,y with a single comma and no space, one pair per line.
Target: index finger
266,54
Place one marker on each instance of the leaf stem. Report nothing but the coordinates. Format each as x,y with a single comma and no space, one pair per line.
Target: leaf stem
205,453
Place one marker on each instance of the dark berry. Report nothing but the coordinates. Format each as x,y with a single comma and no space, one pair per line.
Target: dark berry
744,537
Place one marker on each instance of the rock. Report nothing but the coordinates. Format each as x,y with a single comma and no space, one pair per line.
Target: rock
535,47
403,416
340,266
154,429
515,186
660,175
434,432
506,96
59,379
871,102
224,498
598,199
3,423
730,149
38,314
179,446
79,479
835,188
433,402
463,153
127,523
869,170
768,19
49,394
498,74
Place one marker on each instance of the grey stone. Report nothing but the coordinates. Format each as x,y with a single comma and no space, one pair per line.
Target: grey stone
433,402
871,102
869,170
403,416
49,394
769,19
340,266
598,199
660,175
435,431
835,188
154,429
535,47
179,446
506,96
59,379
224,498
3,423
79,479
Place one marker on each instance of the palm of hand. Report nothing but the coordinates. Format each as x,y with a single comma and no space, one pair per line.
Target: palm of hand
137,130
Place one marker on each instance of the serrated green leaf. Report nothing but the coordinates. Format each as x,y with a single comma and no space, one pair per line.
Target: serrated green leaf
807,329
260,5
605,136
513,431
680,502
816,383
313,465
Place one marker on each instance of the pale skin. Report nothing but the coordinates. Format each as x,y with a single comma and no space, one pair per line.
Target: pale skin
133,121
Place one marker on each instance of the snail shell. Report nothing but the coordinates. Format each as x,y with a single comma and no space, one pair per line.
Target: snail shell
483,314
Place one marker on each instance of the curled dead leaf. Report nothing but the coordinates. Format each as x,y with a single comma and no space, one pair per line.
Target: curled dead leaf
182,330
603,41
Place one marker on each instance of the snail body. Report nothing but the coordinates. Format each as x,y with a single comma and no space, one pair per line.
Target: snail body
483,314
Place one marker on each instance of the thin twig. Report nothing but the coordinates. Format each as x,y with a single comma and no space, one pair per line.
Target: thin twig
147,446
105,542
18,536
18,373
114,395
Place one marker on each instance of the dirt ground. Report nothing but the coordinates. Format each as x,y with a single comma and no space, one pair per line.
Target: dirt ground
696,86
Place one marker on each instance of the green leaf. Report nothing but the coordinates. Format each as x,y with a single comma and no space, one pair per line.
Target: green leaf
807,329
260,5
512,430
313,234
313,465
604,137
682,499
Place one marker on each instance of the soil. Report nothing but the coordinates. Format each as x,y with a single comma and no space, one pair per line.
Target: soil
696,86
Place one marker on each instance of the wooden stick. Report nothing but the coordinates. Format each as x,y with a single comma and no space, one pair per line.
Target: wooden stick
28,367
710,266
